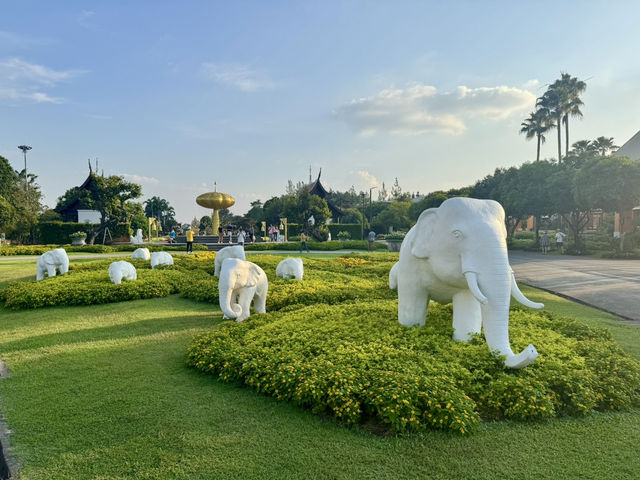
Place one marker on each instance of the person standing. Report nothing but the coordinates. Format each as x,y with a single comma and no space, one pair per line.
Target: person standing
220,234
560,241
190,241
172,236
303,242
241,237
372,239
545,242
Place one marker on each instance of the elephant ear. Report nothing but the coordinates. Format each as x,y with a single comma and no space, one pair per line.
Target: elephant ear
421,240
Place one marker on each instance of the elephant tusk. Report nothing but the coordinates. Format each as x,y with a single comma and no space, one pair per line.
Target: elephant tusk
519,296
472,282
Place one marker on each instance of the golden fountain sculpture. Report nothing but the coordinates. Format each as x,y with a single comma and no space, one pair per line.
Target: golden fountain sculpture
216,201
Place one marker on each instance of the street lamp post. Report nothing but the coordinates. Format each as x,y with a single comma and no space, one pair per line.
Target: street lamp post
25,149
370,204
362,194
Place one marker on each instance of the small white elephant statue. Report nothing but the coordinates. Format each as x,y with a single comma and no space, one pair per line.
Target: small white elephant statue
290,268
236,251
141,254
137,240
458,253
240,283
51,261
122,270
161,258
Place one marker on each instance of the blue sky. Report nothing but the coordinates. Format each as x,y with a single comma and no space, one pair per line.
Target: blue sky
177,95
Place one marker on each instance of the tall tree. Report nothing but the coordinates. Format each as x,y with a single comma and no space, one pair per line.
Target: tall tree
581,147
572,88
552,104
538,123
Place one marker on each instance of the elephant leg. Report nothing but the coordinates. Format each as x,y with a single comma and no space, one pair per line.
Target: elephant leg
467,316
413,301
51,270
260,300
244,300
40,273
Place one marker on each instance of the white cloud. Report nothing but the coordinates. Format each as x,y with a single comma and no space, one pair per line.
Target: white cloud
368,179
22,81
131,177
421,109
237,76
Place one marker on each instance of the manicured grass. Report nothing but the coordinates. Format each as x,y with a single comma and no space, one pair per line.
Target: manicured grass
104,392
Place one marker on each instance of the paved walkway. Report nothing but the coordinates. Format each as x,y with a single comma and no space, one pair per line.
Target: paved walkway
610,285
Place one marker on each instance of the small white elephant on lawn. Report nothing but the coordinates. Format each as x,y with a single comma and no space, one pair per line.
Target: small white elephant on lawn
141,254
290,268
228,252
122,270
161,258
137,240
51,261
458,253
240,283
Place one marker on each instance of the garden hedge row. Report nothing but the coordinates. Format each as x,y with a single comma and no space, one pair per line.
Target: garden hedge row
40,249
321,246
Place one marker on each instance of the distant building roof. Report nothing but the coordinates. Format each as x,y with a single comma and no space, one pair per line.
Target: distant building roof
631,148
316,188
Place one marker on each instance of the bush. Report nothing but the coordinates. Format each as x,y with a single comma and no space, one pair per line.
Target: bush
524,235
40,249
60,232
322,246
356,362
343,236
353,229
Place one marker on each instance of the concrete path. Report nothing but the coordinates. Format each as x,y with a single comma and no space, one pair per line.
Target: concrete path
610,285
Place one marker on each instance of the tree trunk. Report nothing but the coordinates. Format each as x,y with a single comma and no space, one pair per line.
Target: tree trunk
536,219
566,135
558,127
538,155
621,232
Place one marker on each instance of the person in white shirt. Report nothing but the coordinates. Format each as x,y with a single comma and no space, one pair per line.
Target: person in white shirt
241,236
560,241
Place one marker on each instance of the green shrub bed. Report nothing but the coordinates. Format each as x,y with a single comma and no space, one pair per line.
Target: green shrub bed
357,363
40,249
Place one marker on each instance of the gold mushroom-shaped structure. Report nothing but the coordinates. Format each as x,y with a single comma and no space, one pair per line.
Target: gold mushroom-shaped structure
216,201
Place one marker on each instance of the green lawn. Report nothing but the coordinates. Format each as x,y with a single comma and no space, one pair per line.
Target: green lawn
103,392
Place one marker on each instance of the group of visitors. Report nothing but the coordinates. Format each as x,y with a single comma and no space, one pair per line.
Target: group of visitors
273,232
545,242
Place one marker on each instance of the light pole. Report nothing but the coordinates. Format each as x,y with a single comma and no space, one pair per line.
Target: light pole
362,194
25,149
370,204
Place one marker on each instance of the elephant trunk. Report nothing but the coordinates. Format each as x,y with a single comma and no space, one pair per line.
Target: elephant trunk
492,283
225,294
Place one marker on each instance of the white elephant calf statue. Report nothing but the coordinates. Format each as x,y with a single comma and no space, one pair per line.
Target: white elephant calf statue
161,258
228,252
51,261
141,254
137,240
290,268
458,253
240,283
122,270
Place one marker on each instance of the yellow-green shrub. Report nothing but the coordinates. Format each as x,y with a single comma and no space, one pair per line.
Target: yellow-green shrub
357,362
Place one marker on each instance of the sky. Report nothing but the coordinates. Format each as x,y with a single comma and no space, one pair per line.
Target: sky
250,94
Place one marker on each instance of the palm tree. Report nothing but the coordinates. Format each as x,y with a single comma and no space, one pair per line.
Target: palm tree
552,104
581,147
603,145
572,88
537,125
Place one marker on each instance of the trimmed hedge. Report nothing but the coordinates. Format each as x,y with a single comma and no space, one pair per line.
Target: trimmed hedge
354,229
321,246
356,362
60,232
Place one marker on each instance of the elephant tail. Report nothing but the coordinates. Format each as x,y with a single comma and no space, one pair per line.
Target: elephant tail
225,294
393,277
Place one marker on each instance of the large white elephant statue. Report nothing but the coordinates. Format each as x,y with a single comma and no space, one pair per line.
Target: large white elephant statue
236,251
290,268
161,258
122,270
458,253
141,254
240,283
51,261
